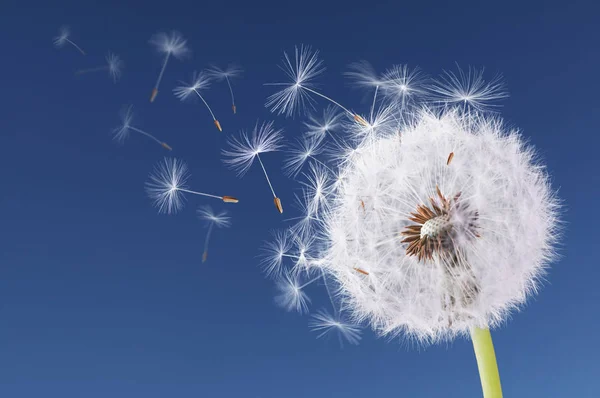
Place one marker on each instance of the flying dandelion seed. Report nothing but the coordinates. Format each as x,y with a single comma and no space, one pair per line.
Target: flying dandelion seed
121,133
423,243
244,149
290,294
327,124
303,150
212,219
172,44
200,81
114,67
325,324
63,38
295,95
231,72
468,89
167,186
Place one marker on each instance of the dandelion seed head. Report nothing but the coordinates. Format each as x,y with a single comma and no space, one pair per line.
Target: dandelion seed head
63,35
165,184
207,214
485,227
231,72
326,324
171,43
243,149
115,66
121,133
200,81
290,294
468,89
301,71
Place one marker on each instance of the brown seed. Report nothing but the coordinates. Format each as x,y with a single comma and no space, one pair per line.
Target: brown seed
360,120
218,125
229,199
204,256
450,157
154,94
234,109
166,146
361,271
278,205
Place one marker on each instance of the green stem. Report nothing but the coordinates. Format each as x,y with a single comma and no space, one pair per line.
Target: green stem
486,362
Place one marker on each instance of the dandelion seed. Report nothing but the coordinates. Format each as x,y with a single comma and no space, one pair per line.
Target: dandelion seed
300,152
231,72
200,81
324,324
244,149
114,67
450,157
290,295
121,133
167,186
469,89
320,127
172,44
63,37
403,86
296,94
273,253
361,271
212,219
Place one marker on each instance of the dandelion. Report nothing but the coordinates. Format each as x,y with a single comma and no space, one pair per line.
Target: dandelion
121,133
231,72
295,94
167,186
468,89
441,234
114,67
63,37
243,150
325,324
172,44
212,219
200,81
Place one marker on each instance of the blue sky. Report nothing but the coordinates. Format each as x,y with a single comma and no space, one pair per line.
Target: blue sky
100,296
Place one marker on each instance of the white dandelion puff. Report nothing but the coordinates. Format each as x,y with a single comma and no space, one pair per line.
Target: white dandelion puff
63,37
200,81
212,219
114,66
245,148
326,324
231,72
172,44
166,186
403,86
363,75
122,132
468,89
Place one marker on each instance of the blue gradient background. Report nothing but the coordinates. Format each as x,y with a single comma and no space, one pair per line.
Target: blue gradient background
102,297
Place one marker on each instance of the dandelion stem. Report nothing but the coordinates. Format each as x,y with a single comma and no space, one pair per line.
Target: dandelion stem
210,228
200,193
162,71
328,99
486,362
205,103
231,91
311,281
266,175
76,46
374,99
146,134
